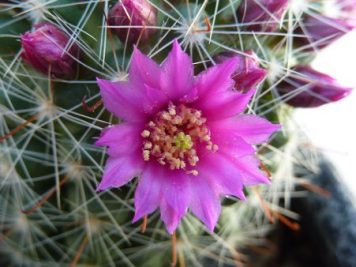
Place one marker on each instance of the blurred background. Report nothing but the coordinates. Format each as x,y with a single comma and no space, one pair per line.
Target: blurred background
332,128
327,236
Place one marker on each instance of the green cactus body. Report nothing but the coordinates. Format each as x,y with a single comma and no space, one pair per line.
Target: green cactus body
50,213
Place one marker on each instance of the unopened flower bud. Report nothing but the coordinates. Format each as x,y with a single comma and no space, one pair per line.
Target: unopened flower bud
320,31
45,49
131,20
308,88
261,15
248,74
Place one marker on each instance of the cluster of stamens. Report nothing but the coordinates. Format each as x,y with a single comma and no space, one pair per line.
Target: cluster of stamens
173,135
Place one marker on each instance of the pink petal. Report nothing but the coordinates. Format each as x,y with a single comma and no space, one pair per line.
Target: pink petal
252,129
225,105
175,198
171,217
153,100
228,140
249,170
121,139
217,99
122,100
144,71
119,171
177,73
224,174
205,203
216,79
148,193
160,186
229,173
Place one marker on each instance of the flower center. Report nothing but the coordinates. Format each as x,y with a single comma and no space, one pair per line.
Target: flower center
173,135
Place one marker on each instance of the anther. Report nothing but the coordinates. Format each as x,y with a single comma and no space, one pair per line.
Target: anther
166,116
172,110
193,172
146,155
145,133
206,138
147,145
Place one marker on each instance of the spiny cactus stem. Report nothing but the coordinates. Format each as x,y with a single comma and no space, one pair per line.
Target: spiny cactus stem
18,128
128,33
111,39
238,260
272,214
287,222
93,107
261,250
174,250
265,169
80,251
208,26
265,207
314,188
144,224
46,197
6,233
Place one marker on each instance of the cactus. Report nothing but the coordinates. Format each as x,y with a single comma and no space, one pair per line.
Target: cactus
50,117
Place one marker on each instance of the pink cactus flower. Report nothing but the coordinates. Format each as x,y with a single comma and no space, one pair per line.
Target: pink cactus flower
183,136
44,49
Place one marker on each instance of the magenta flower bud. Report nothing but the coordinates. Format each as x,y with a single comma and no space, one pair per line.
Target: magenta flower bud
261,15
321,31
248,74
135,16
44,49
308,88
341,9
